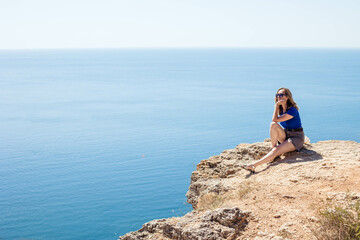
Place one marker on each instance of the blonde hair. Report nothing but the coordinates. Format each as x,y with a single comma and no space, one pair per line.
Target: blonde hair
290,102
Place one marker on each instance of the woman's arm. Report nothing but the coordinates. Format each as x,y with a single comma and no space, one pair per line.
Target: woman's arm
282,118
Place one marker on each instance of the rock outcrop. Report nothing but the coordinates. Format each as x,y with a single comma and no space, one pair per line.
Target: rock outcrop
223,223
279,201
214,175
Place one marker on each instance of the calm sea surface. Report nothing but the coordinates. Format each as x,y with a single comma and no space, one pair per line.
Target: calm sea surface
94,143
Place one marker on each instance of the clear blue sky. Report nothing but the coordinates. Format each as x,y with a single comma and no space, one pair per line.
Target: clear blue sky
178,23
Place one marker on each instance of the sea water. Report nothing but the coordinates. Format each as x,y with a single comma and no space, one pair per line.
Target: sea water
94,143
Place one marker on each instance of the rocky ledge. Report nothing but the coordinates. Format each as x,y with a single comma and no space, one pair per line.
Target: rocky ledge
223,223
279,201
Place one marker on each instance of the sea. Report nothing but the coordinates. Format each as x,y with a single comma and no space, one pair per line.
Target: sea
96,142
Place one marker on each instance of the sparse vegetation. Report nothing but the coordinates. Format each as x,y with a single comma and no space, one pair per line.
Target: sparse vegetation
246,188
339,220
209,201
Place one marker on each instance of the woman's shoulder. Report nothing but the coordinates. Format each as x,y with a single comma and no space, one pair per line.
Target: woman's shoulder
292,111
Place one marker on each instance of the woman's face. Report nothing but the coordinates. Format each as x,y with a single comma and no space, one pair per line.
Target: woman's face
281,95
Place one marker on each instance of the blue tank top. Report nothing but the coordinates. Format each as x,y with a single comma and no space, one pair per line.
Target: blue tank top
293,123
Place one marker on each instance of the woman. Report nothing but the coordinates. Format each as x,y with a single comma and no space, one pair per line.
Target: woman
286,136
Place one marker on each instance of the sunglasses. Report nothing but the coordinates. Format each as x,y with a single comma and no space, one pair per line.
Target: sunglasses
280,95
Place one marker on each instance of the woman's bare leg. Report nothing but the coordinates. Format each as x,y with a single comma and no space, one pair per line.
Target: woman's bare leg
276,151
277,133
284,147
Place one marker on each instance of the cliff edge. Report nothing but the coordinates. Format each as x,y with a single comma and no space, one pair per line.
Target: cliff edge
282,200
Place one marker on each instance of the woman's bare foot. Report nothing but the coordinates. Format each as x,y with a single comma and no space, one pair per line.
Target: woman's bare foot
250,168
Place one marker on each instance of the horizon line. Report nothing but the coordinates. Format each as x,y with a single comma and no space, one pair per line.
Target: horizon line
179,47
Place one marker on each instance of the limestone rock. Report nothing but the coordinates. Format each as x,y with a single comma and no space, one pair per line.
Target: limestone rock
209,172
282,196
223,223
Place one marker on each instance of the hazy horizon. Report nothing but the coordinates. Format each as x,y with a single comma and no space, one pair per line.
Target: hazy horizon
190,48
65,24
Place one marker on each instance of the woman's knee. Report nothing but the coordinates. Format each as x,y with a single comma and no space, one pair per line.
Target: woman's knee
283,148
274,125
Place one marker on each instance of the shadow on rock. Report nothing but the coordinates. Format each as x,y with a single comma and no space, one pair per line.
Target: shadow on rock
305,155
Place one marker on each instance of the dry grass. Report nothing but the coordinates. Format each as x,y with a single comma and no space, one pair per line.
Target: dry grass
245,189
210,201
339,221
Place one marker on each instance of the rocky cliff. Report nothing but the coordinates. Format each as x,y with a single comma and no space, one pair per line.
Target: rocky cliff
280,201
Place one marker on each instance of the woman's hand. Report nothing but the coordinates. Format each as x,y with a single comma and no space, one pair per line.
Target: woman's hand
280,102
